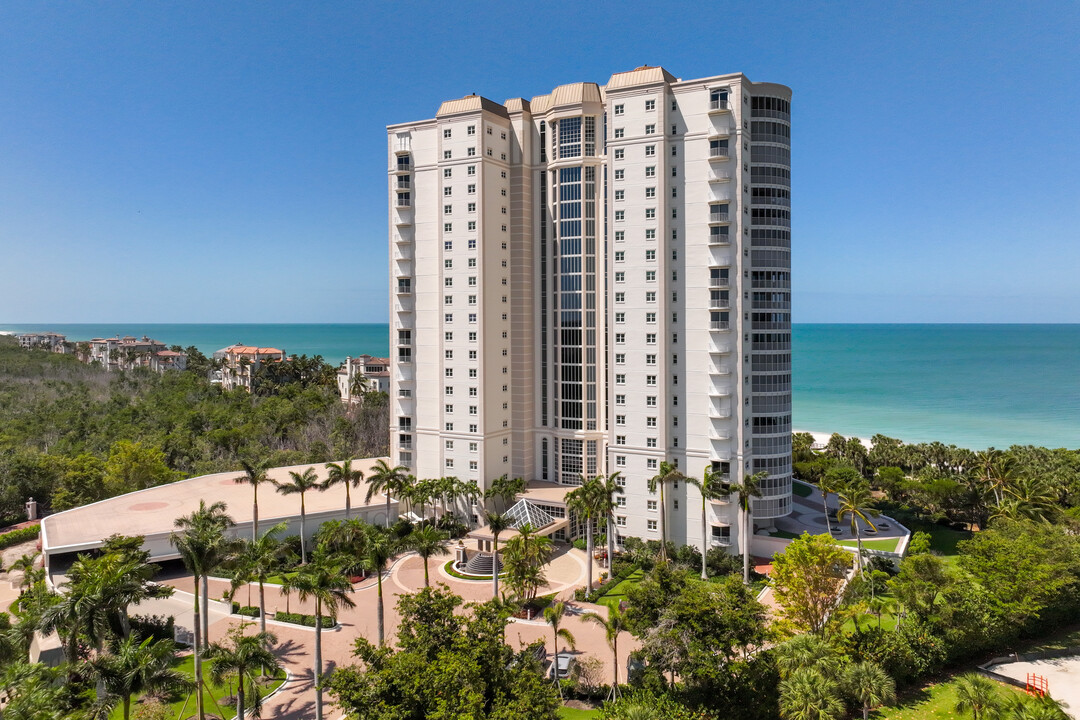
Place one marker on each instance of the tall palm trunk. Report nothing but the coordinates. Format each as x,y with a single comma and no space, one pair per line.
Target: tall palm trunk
825,502
388,508
615,665
381,636
255,515
241,705
427,583
610,541
589,552
746,543
205,609
704,540
262,607
663,525
318,658
303,531
348,501
127,707
495,569
197,655
858,544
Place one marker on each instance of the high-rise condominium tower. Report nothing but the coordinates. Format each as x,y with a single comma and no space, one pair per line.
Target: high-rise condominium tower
598,280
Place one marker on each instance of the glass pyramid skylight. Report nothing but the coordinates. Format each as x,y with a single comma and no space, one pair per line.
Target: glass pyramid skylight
524,512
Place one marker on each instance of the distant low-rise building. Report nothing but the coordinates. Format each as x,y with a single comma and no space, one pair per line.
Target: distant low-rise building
240,362
54,342
374,371
169,360
128,353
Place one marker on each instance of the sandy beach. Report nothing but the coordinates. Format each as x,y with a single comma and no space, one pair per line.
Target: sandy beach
822,438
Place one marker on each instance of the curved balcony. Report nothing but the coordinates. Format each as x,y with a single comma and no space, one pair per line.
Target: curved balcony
719,325
719,177
719,434
720,154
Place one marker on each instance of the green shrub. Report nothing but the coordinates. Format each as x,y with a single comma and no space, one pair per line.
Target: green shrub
18,536
159,627
306,620
580,544
248,611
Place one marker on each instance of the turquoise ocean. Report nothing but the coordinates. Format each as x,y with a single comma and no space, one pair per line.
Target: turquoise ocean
970,385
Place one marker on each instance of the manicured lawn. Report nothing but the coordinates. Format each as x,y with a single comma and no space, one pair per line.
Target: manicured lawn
574,714
888,620
933,702
617,594
884,544
211,695
783,534
801,489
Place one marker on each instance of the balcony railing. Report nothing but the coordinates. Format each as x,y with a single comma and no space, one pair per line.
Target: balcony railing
719,105
719,152
403,146
781,201
403,202
778,114
719,325
719,217
403,166
770,137
719,282
719,177
404,183
719,304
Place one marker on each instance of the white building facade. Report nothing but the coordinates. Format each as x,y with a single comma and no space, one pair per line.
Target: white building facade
598,280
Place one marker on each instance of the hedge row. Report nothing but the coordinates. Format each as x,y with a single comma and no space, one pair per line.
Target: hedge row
18,536
306,620
603,587
246,610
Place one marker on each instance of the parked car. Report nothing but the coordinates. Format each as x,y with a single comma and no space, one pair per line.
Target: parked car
561,666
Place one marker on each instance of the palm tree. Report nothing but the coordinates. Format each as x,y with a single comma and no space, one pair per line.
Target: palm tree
343,474
712,487
807,695
992,468
244,658
975,694
378,550
300,484
805,652
870,685
256,562
427,542
526,554
254,475
202,546
122,580
855,499
667,473
135,667
497,523
586,501
611,488
1029,498
505,489
748,490
386,480
324,581
613,624
553,615
26,565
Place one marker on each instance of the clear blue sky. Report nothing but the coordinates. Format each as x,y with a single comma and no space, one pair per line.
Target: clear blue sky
224,162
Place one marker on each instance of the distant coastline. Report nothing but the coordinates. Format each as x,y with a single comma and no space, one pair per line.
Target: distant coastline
970,385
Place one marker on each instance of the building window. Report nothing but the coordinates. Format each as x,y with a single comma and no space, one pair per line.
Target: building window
448,299
620,419
650,359
650,422
620,297
620,235
620,154
650,505
620,399
620,276
651,524
620,255
650,129
650,464
650,380
650,276
620,358
650,338
650,104
472,207
447,227
471,170
446,155
620,338
650,401
472,246
620,194
471,130
620,379
650,255
620,461
620,215
472,189
620,174
650,318
449,408
619,109
618,133
650,150
472,225
650,296
650,192
650,234
448,317
620,317
620,439
650,442
448,190
447,172
620,520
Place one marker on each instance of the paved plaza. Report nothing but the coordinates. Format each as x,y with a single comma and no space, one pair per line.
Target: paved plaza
295,644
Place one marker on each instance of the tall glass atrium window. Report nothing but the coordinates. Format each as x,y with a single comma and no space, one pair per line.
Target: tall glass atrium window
570,137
